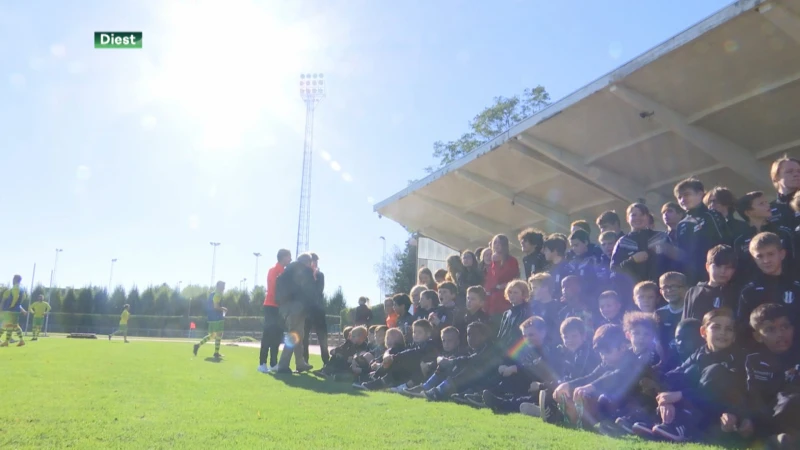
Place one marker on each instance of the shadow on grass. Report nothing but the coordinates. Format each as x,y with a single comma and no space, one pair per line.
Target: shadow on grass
211,359
312,383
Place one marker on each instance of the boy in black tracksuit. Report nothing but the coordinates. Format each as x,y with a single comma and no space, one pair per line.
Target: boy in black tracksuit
342,356
576,359
784,177
619,371
673,289
533,260
687,341
773,376
405,367
706,390
466,373
476,298
720,290
521,375
753,206
771,285
700,231
451,348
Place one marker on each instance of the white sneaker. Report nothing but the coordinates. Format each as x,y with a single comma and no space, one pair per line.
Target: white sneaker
530,409
264,369
273,368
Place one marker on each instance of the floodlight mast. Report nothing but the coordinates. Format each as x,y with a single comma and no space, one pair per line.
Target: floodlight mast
312,91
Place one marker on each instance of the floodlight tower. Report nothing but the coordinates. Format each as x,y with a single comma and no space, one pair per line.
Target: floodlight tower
312,90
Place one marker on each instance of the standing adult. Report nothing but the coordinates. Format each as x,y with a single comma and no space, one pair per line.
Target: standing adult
294,295
272,335
531,242
785,174
315,317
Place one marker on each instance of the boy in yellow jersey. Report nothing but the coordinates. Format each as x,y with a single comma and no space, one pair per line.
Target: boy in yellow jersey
123,324
11,306
39,309
216,319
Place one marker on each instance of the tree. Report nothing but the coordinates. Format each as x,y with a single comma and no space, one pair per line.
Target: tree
100,301
162,307
133,300
258,300
401,272
504,113
335,303
55,295
117,300
147,302
70,302
244,303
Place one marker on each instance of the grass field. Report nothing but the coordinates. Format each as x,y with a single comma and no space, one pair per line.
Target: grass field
83,394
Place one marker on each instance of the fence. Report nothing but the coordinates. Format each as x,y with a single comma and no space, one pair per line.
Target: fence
161,326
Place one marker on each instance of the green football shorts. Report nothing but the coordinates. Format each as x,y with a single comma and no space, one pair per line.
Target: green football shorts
217,326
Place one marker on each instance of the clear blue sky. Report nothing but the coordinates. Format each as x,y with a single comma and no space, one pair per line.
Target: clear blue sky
147,155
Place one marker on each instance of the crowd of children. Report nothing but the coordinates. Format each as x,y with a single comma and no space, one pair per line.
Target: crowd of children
687,334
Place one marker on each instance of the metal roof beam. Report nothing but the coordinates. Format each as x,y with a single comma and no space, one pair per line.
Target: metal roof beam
481,223
557,218
782,18
611,182
735,157
448,239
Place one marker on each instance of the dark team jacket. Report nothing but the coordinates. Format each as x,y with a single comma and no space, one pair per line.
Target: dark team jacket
480,363
585,267
736,227
592,250
549,312
783,214
622,262
768,289
741,244
559,272
412,356
420,313
698,232
578,364
363,315
770,374
537,364
348,349
404,323
703,298
397,349
534,263
465,280
589,317
667,323
464,318
622,380
447,316
509,333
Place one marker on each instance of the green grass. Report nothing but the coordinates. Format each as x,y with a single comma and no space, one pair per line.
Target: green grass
84,394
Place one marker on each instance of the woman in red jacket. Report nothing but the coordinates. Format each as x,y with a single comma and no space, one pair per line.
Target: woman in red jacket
504,268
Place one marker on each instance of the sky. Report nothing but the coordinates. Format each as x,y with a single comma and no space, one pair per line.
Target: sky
148,155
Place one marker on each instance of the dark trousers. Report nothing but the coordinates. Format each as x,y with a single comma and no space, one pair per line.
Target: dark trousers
316,320
271,336
718,395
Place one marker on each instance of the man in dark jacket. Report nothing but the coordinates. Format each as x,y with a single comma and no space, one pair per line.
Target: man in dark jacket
301,292
315,317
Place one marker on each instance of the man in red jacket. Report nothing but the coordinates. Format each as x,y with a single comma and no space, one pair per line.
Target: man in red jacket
272,335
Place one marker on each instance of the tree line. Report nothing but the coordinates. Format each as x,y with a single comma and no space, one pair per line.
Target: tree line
162,300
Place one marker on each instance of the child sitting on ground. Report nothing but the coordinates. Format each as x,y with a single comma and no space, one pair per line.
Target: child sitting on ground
522,375
464,374
405,367
705,391
673,289
394,343
451,348
773,376
339,366
576,359
574,304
